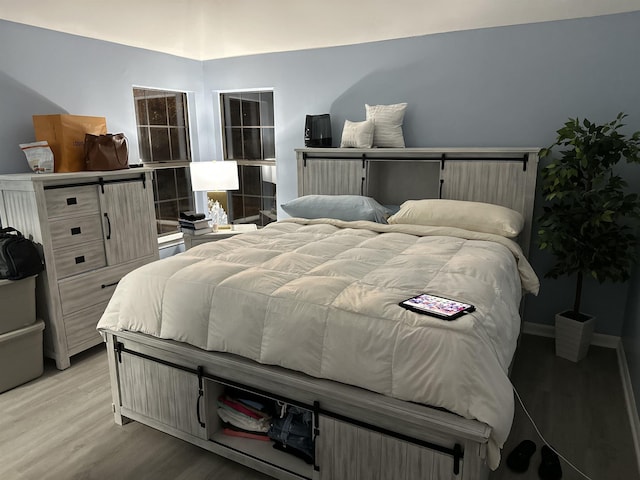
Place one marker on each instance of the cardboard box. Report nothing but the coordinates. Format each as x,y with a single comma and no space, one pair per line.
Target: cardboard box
17,303
65,135
21,358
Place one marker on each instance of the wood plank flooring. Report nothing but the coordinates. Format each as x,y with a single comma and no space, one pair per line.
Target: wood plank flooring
60,426
578,407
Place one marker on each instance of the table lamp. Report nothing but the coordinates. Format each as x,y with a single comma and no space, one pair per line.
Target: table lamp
216,176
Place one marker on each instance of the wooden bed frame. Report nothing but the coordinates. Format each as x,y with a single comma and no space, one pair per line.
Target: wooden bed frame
173,386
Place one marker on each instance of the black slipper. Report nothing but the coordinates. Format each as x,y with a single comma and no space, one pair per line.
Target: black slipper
518,459
550,468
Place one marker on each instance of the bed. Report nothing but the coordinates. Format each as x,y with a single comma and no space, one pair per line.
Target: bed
305,311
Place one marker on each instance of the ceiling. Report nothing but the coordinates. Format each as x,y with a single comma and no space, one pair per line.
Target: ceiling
210,29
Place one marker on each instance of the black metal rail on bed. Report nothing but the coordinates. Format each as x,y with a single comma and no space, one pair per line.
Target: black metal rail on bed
437,157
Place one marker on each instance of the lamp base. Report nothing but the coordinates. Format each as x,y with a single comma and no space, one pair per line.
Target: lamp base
217,215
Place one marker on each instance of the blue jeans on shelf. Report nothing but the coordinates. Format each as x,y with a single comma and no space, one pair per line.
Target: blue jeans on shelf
294,430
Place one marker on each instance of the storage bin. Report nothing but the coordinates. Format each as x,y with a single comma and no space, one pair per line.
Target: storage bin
17,303
21,356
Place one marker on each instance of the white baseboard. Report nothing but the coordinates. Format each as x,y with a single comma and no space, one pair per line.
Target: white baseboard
634,420
599,339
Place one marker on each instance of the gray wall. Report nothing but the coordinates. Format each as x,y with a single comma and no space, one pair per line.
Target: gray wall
46,72
508,86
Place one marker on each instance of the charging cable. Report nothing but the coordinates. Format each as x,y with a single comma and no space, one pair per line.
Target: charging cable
526,412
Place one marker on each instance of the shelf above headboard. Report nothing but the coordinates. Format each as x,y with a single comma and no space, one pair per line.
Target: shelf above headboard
502,176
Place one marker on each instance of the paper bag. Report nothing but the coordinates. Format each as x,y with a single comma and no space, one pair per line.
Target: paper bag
65,134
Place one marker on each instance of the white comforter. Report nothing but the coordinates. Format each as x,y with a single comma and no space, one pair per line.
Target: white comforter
322,297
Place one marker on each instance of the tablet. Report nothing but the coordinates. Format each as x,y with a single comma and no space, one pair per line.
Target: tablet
436,306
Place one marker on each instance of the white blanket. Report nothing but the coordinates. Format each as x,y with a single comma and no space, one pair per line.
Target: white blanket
321,297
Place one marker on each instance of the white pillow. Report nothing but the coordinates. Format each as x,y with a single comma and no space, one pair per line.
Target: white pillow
357,134
387,120
476,216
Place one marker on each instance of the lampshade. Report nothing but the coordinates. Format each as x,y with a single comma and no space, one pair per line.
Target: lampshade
214,176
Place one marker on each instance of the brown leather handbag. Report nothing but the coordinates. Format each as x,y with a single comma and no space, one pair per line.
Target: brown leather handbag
106,152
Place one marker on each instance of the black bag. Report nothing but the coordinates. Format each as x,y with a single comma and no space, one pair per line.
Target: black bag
19,257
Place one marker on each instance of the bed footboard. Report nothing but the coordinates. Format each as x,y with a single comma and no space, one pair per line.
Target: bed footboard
173,387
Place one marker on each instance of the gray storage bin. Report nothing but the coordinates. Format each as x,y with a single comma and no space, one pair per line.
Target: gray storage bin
17,303
21,356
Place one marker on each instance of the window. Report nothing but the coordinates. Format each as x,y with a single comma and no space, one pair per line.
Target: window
249,138
163,134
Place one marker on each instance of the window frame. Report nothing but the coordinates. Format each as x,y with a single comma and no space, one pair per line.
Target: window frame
223,145
173,164
242,163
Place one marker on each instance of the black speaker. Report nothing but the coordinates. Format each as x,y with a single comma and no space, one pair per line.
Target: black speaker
317,131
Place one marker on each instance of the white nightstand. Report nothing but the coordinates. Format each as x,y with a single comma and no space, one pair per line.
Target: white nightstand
193,240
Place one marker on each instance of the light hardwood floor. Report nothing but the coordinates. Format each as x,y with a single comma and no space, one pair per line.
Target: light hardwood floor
60,426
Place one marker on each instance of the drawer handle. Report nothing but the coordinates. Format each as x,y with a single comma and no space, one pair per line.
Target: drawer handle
80,259
106,215
107,285
72,201
76,231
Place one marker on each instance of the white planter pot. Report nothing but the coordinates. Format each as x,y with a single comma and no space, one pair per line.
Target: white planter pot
573,337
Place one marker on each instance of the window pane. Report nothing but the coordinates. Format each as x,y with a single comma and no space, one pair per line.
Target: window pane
251,180
251,144
141,112
234,143
238,210
252,208
172,118
268,189
166,184
167,216
160,144
155,188
178,144
269,203
232,113
269,144
183,182
185,204
266,109
144,146
181,108
157,110
250,109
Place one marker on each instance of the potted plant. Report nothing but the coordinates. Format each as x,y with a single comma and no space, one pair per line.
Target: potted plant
588,221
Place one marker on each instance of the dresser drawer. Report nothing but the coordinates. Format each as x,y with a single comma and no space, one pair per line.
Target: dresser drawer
70,201
79,259
80,328
87,289
74,231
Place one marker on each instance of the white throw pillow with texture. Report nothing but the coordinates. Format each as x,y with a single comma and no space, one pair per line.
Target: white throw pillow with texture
357,134
387,120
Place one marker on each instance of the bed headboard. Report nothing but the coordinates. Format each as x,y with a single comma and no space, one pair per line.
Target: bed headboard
502,176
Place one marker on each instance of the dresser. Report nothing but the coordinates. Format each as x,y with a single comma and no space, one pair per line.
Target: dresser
93,228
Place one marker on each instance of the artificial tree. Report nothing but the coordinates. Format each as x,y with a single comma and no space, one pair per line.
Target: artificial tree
589,221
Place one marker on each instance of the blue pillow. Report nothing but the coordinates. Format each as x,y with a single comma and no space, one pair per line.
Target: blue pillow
341,207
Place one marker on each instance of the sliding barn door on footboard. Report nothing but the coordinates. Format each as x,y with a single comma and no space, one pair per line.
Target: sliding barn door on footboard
159,393
347,451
